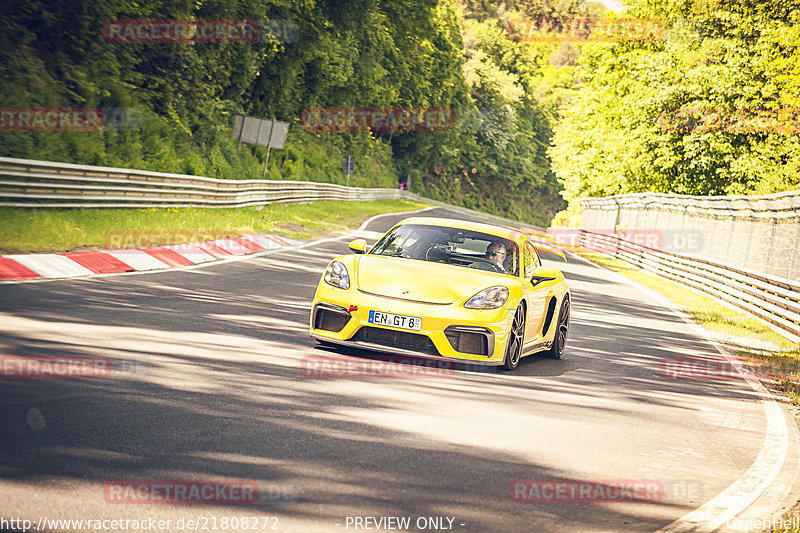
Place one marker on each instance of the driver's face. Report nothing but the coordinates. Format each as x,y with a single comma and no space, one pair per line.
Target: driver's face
496,255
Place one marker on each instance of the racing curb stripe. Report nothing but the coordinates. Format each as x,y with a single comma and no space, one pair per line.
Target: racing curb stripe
51,265
34,267
277,239
170,257
99,262
249,244
138,260
231,246
262,241
739,495
12,270
213,249
192,253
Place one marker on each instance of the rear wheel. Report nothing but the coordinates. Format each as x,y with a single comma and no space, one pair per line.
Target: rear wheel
516,338
560,339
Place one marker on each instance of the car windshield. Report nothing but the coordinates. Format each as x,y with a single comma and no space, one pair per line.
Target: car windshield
453,246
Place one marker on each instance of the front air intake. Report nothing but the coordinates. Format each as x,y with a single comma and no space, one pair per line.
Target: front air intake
471,339
329,317
415,342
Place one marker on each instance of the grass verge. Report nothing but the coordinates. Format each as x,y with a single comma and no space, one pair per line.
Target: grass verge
25,230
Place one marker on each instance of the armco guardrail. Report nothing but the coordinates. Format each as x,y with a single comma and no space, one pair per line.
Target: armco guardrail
754,232
27,183
775,300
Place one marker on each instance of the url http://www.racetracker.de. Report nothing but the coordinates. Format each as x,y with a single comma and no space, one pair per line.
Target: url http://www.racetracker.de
197,523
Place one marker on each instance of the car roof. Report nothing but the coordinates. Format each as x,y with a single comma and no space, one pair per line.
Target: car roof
500,231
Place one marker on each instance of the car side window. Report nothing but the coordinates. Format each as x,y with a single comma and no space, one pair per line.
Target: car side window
512,261
530,259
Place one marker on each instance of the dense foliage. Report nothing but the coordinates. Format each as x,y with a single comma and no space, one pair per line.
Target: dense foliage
534,118
184,96
360,53
710,109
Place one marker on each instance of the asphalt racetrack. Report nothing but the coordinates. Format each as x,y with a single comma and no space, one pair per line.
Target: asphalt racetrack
212,384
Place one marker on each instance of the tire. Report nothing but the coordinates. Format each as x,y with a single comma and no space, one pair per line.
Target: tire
516,338
562,327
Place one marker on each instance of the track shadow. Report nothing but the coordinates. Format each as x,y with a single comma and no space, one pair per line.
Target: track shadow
207,382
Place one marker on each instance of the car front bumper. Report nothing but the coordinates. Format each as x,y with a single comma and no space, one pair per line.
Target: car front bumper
450,332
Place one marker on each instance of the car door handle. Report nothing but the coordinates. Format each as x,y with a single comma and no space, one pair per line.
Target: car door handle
535,280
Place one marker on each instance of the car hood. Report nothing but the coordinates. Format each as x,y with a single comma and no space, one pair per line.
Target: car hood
420,281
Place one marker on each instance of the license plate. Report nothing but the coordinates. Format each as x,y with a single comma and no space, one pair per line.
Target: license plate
398,321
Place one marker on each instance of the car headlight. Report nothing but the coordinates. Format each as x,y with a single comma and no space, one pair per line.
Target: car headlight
336,275
490,298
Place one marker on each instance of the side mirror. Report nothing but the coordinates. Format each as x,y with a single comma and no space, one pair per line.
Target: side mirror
542,274
358,246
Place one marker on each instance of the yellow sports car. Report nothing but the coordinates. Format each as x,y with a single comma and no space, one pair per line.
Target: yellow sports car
449,289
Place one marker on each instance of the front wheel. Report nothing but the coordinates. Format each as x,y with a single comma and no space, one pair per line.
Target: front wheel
516,338
560,339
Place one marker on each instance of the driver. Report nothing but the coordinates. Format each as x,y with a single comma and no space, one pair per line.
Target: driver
496,253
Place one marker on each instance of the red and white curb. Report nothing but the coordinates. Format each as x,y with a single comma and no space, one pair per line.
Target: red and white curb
79,264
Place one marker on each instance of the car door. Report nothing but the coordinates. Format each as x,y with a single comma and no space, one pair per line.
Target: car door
536,295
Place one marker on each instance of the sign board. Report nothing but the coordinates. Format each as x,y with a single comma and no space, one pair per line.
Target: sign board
264,132
278,138
250,128
259,131
237,125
